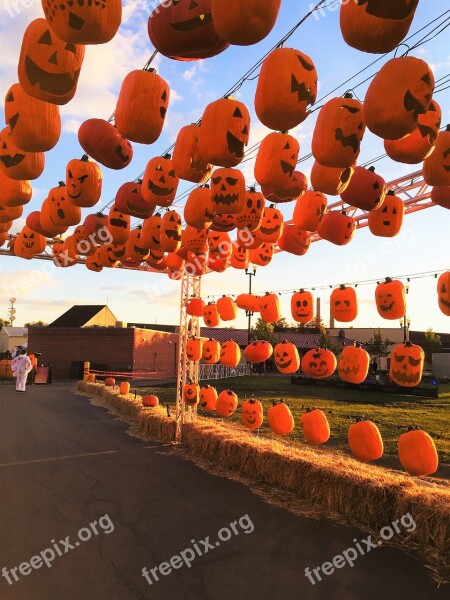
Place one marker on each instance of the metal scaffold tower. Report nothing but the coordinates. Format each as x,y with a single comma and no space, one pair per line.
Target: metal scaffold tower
187,369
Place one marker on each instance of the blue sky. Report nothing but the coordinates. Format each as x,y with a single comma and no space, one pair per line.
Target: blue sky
44,293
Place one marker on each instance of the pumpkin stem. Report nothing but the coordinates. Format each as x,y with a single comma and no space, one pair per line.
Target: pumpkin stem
391,193
448,127
342,286
388,280
372,169
168,156
61,183
348,95
85,158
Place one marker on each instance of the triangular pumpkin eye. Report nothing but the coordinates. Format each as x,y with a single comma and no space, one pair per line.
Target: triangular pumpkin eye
164,96
45,38
10,97
71,48
427,79
287,147
237,113
394,211
444,289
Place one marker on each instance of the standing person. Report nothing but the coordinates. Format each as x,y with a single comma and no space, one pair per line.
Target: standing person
374,366
21,366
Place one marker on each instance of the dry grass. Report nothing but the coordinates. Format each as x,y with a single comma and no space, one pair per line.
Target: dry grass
366,496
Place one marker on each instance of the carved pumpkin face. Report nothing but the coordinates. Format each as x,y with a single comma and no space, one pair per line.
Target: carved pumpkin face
118,225
184,30
295,188
195,240
302,307
239,257
29,243
118,251
252,414
251,214
353,364
191,394
436,168
155,259
49,68
151,232
58,210
199,211
286,357
366,189
171,231
136,247
276,161
227,403
230,354
227,191
388,220
105,144
208,398
84,182
407,362
343,304
337,228
84,246
186,160
219,244
96,227
93,262
390,299
107,256
160,183
258,351
309,210
443,290
194,348
269,308
319,363
223,222
211,352
271,228
211,315
263,255
294,240
129,200
16,163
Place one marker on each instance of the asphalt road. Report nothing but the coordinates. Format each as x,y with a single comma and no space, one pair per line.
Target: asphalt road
65,464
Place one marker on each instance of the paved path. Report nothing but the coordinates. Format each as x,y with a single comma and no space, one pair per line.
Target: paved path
64,464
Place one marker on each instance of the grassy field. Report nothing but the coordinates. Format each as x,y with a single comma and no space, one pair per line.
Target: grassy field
389,411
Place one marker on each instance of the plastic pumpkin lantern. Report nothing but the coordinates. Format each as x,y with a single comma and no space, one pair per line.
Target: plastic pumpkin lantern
374,26
418,145
11,213
83,22
160,183
263,255
271,228
14,192
338,132
288,79
170,231
251,214
194,307
390,299
252,415
319,363
199,211
407,362
186,159
124,387
224,132
315,427
258,351
194,349
136,247
155,259
337,228
93,262
29,243
191,394
309,210
436,168
150,400
57,212
208,398
417,453
151,232
107,256
295,187
244,22
96,228
184,30
294,240
344,304
269,308
211,352
49,68
105,144
130,200
223,222
110,382
211,315
227,403
302,306
35,126
286,357
388,220
248,302
408,82
84,246
18,164
239,257
365,441
443,290
230,354
194,240
227,191
280,419
219,244
366,189
354,364
118,225
142,106
330,180
276,160
227,308
84,182
248,239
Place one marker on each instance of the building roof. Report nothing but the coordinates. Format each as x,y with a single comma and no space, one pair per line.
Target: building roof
155,327
78,315
16,331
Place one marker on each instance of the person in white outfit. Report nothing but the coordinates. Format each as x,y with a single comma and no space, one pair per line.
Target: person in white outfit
21,366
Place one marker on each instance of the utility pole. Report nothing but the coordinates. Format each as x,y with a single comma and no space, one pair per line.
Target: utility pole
250,274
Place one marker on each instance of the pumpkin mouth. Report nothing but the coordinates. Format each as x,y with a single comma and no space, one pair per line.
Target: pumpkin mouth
425,131
60,213
384,9
414,105
264,259
349,370
269,230
445,302
300,314
74,197
12,161
58,84
405,378
386,307
120,153
287,168
119,223
163,112
141,212
159,191
284,365
141,251
350,141
227,199
193,24
12,121
235,146
119,253
173,235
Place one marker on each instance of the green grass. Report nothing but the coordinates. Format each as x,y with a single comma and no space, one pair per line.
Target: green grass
390,411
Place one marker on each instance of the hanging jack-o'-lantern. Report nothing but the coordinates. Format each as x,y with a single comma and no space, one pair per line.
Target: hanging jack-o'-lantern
319,363
199,211
408,82
417,453
227,403
136,248
11,213
28,243
58,211
35,126
93,262
244,22
107,256
194,349
118,225
294,240
309,210
296,187
376,26
184,30
337,228
436,168
248,302
338,132
227,191
105,144
388,220
96,228
85,247
142,106
194,240
302,306
251,214
194,307
407,361
269,308
271,228
280,418
14,192
227,308
287,87
263,255
443,290
230,354
160,183
219,244
223,222
390,298
83,22
252,414
365,441
84,182
224,132
315,427
239,257
186,159
286,357
211,352
170,231
33,221
208,398
344,304
258,351
191,393
366,189
330,180
211,315
130,200
155,259
49,68
354,364
16,163
276,160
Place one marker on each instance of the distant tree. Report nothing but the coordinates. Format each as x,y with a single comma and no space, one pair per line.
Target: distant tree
4,323
281,325
377,346
31,323
432,344
325,339
263,331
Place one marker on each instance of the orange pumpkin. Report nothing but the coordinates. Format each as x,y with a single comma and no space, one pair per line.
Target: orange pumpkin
269,308
58,211
294,188
130,200
208,398
84,182
286,357
280,418
211,352
436,168
443,290
417,453
252,415
365,441
330,180
199,211
110,382
227,308
107,256
151,232
239,257
105,144
440,195
294,240
136,248
302,306
191,394
344,304
14,192
248,302
211,315
230,354
29,243
160,183
93,262
354,364
366,189
319,363
276,160
407,361
118,225
251,214
271,228
223,222
309,210
244,22
194,349
388,220
124,388
337,228
315,426
96,227
150,400
170,239
194,240
16,163
186,160
262,255
227,403
11,213
390,299
227,191
258,351
194,307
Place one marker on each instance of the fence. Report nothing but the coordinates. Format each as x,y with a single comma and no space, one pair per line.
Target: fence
221,372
